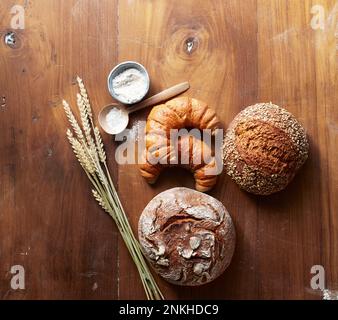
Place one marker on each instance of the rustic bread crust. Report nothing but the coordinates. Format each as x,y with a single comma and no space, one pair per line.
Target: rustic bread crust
263,149
187,236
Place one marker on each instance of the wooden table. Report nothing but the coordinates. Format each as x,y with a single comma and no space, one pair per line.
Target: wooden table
234,53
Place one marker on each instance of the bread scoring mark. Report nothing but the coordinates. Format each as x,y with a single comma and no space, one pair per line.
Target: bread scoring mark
194,242
265,146
176,220
187,236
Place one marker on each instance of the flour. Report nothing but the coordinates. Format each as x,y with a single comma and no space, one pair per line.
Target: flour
130,86
116,119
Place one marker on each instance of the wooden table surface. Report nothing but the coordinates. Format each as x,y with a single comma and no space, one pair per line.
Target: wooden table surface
234,53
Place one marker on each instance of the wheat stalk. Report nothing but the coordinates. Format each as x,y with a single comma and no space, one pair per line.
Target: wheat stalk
84,95
91,155
72,120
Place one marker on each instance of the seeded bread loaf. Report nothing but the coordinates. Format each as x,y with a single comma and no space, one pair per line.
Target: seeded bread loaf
187,236
264,147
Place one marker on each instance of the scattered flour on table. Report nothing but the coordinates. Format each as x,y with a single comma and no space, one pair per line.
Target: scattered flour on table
136,130
330,294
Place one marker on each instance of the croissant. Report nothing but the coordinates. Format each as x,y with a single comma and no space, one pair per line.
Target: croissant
161,152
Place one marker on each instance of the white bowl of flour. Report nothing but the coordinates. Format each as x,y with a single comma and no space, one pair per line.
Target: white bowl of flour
128,82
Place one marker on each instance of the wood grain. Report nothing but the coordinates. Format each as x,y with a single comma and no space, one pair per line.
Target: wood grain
234,54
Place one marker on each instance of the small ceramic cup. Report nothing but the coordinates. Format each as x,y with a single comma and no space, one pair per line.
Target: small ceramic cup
119,69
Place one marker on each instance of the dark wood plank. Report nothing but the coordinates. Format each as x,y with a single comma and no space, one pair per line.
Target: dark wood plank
242,52
297,69
49,222
222,33
246,53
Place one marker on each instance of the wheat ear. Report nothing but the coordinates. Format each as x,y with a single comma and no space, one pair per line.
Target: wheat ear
92,157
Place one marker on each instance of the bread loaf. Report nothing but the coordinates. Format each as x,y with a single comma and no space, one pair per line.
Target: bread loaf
177,114
264,147
187,236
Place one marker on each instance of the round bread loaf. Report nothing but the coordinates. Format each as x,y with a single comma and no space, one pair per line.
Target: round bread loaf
187,236
264,147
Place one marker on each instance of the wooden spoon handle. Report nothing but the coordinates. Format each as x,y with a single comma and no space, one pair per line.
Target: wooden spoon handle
161,96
